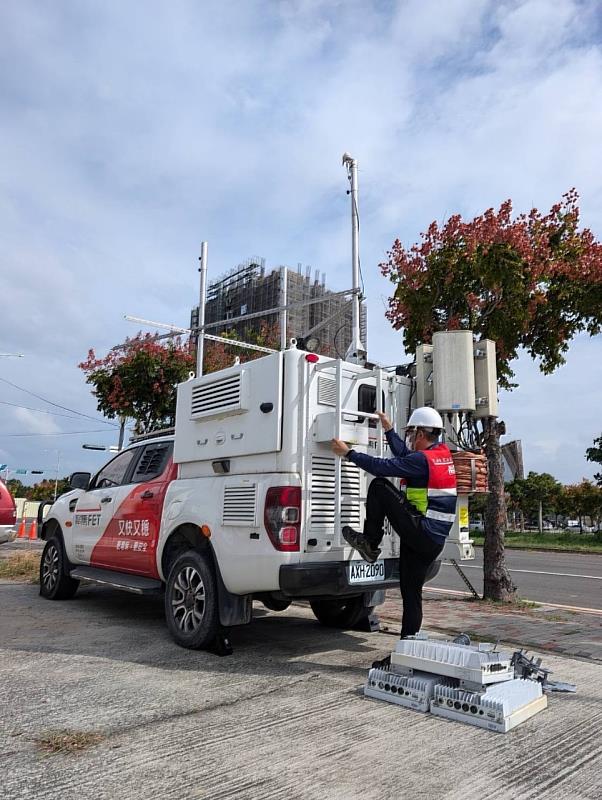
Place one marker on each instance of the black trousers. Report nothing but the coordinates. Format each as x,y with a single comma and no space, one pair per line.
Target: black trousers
417,550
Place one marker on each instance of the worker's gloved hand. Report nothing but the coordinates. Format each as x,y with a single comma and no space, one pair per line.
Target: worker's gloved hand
385,421
339,448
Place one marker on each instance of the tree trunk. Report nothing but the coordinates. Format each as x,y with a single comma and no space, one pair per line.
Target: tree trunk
497,583
540,518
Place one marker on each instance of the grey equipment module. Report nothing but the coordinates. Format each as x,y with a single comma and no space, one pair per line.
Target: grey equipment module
475,666
475,684
500,708
411,691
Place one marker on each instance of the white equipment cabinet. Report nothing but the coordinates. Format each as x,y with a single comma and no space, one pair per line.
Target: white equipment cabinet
234,412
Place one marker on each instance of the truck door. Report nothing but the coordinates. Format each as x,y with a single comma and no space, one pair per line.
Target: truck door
95,507
129,542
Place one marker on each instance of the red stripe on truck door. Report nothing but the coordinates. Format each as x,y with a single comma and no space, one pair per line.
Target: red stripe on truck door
129,542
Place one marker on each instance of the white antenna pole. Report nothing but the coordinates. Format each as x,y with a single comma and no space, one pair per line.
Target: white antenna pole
200,346
355,353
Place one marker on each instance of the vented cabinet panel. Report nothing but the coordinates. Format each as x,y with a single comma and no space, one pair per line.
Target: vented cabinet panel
219,396
240,505
219,416
322,492
327,391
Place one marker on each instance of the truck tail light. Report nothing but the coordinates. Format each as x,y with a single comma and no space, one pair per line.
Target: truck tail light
282,517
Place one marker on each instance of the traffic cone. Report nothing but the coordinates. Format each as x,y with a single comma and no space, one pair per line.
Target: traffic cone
21,533
33,531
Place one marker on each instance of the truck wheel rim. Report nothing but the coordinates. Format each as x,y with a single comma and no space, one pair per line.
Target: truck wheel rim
50,568
188,600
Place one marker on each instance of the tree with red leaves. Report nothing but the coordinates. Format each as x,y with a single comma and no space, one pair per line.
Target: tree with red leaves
532,282
139,380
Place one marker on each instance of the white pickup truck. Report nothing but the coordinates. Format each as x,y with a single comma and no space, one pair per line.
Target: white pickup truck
245,500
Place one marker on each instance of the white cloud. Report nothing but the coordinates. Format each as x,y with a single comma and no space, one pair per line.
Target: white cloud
28,422
128,137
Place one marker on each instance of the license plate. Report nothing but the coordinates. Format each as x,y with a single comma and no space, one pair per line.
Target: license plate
363,572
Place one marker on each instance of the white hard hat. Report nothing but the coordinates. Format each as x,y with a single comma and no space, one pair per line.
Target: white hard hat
425,417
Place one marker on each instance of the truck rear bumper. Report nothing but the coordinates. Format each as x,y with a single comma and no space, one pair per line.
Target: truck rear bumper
330,578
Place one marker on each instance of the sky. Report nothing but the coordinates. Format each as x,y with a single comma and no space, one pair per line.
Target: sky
131,132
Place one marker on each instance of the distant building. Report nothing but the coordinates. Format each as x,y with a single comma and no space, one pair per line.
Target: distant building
249,288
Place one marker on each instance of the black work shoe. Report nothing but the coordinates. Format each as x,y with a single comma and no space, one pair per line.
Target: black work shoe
383,663
359,542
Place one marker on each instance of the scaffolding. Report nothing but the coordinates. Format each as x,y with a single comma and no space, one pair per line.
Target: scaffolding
248,288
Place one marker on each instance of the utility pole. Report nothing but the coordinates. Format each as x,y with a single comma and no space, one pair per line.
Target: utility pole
121,433
356,353
56,477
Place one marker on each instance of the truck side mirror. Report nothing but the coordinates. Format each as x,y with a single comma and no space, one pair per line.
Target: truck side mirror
80,480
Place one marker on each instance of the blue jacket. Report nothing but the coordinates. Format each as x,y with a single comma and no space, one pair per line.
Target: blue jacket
429,476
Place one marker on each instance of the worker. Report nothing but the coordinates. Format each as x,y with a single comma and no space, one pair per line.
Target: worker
421,513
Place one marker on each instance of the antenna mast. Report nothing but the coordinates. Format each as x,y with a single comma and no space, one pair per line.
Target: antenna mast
200,345
356,353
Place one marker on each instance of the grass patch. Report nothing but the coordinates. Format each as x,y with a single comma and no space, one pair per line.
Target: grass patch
524,605
66,741
21,567
518,604
571,542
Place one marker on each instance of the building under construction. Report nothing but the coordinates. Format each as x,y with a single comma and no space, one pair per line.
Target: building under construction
249,288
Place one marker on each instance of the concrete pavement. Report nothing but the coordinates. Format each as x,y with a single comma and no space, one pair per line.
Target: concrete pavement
283,718
543,627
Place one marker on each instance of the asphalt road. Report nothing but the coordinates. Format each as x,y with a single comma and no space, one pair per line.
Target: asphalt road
568,579
283,718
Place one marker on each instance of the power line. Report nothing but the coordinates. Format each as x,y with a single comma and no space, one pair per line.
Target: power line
39,410
57,405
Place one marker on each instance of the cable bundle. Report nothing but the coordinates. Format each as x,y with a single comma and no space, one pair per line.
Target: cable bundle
471,472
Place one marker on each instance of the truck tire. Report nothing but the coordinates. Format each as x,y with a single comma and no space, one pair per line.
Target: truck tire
191,605
340,612
55,583
275,603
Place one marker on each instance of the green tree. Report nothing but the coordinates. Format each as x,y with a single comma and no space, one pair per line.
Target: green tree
594,454
540,491
515,499
584,500
16,488
477,504
532,282
44,490
139,380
